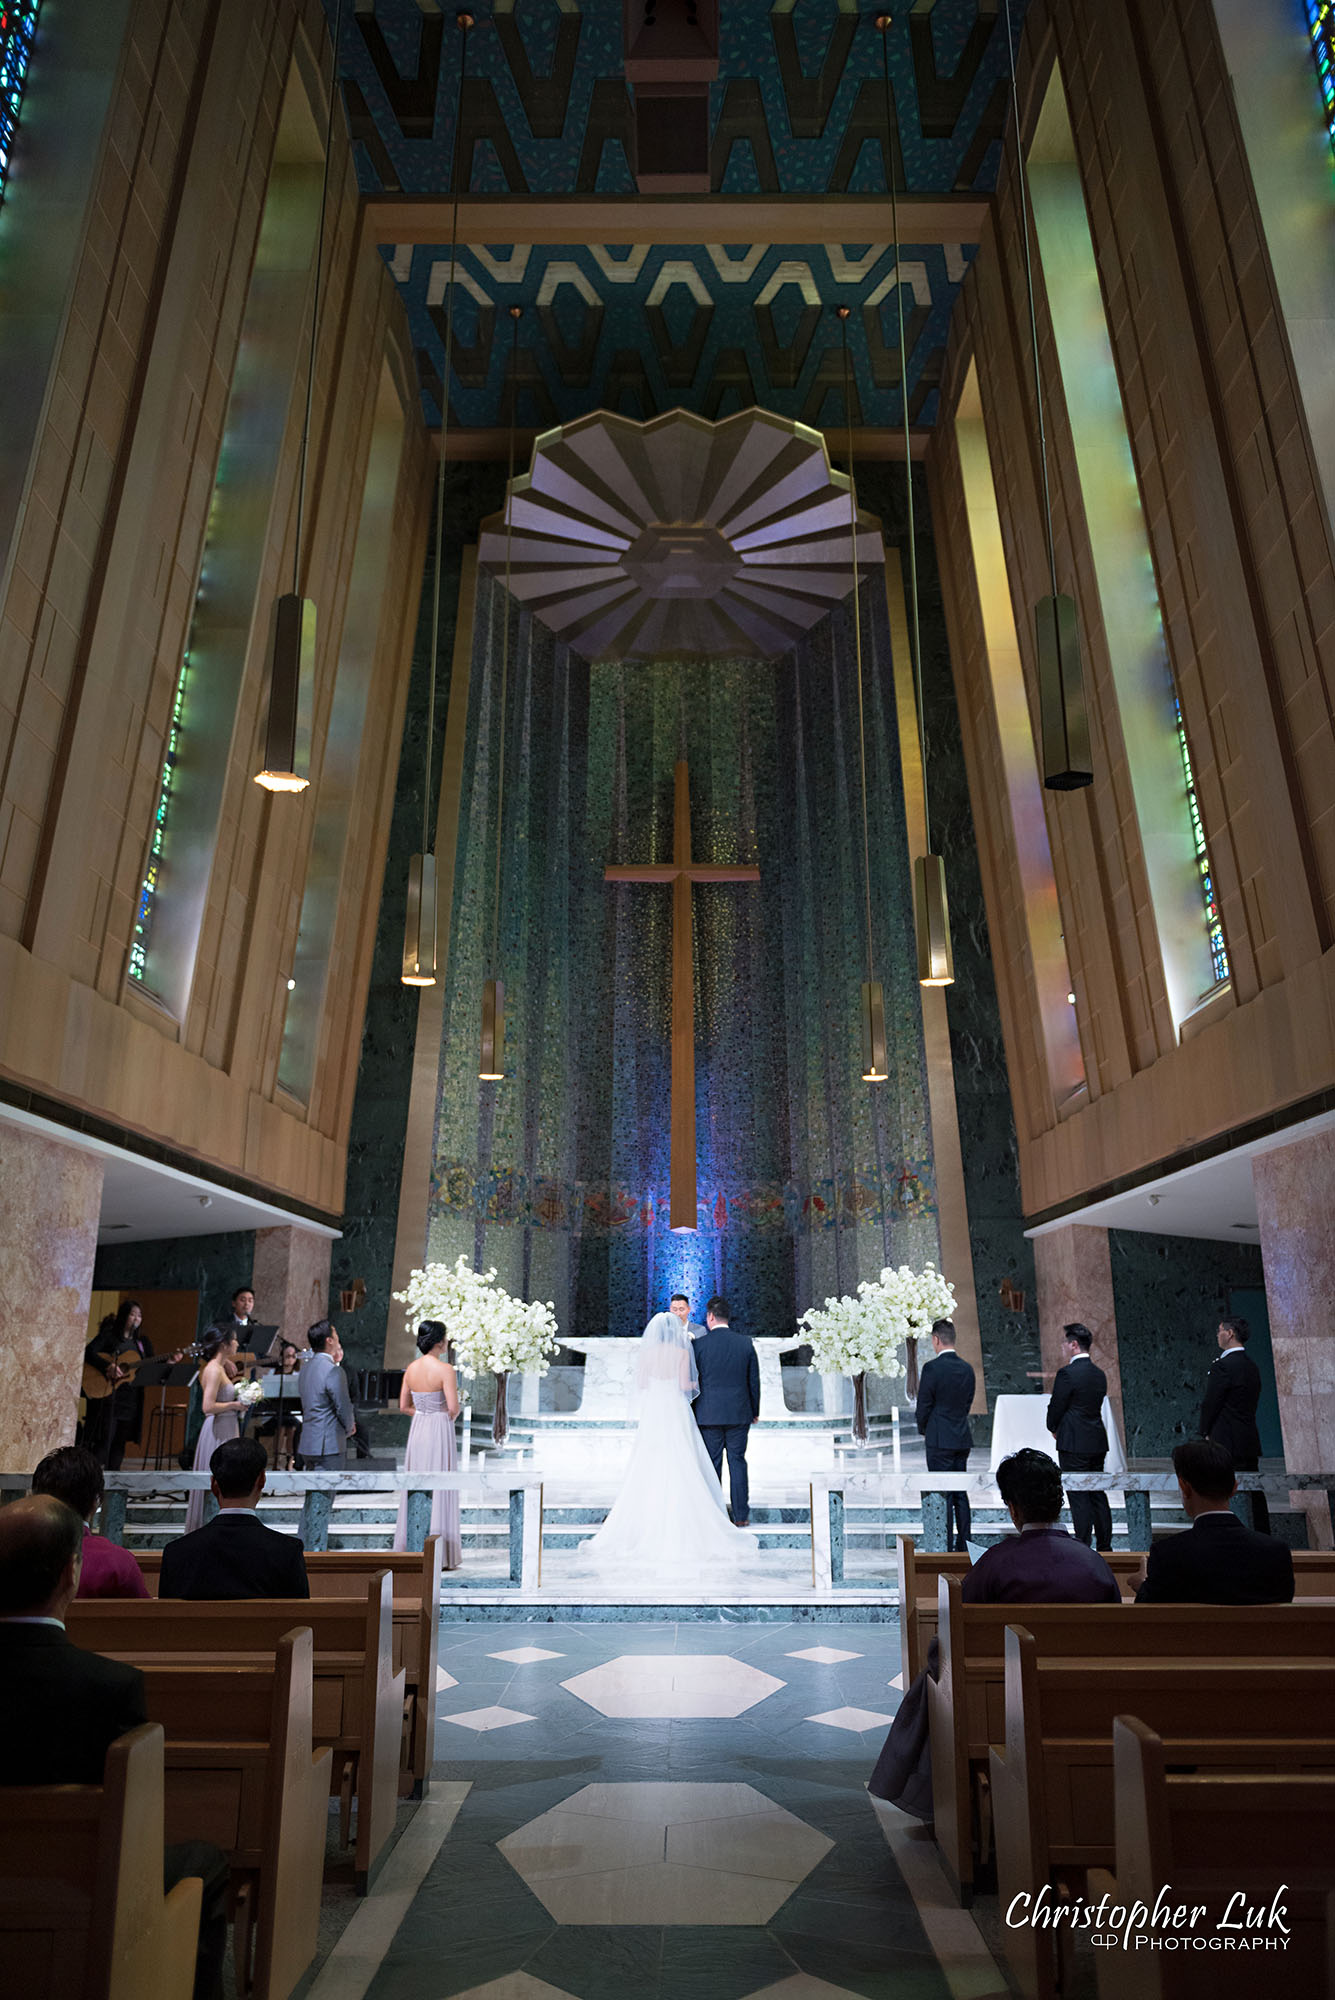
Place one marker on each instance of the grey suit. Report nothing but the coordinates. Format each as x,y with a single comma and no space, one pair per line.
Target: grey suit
326,1413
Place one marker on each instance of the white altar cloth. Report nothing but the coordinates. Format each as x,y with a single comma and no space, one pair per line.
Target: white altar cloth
609,1377
1018,1422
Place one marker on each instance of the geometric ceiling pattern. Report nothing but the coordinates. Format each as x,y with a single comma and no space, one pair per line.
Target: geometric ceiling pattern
798,109
645,541
641,329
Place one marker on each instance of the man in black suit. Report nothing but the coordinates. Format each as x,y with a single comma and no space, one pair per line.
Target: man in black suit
1228,1412
1075,1418
945,1392
65,1707
729,1401
234,1554
1217,1560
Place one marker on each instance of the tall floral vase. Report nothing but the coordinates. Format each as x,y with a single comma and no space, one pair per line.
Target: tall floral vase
911,1372
860,1430
500,1422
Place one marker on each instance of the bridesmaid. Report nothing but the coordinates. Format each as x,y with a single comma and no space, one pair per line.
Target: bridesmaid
222,1418
431,1392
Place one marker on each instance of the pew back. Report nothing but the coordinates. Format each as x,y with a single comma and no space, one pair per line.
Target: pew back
358,1698
1052,1781
966,1705
1214,1837
82,1911
241,1772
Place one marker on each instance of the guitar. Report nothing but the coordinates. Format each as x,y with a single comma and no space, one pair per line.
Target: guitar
122,1368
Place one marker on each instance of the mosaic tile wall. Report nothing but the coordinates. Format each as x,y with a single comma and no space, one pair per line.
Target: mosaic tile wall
1170,1293
211,1265
559,1176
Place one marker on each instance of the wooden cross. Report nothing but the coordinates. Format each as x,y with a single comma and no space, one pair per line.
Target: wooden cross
681,872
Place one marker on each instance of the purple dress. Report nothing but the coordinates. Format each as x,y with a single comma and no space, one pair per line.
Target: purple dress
431,1449
217,1430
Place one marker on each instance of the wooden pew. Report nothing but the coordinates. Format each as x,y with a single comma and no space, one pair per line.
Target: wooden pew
82,1911
966,1705
1211,1837
1052,1782
1314,1572
345,1573
241,1772
920,1570
359,1699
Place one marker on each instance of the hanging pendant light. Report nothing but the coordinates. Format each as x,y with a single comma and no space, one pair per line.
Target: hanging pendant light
491,1063
419,935
420,927
1063,718
874,1067
936,964
286,766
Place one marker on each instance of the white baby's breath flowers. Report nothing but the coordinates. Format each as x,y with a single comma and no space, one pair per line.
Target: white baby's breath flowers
491,1332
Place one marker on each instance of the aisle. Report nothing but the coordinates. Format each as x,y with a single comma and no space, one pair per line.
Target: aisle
670,1812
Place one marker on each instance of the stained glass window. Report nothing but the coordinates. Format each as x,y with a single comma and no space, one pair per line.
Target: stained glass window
1321,27
1213,926
143,916
18,21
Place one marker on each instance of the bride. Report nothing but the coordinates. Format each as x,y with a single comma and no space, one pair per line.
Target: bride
669,1514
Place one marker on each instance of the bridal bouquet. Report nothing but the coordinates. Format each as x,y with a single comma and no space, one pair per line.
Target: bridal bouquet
491,1332
249,1393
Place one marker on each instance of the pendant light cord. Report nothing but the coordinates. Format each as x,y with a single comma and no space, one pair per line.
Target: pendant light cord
1033,311
465,23
857,640
884,22
505,644
315,301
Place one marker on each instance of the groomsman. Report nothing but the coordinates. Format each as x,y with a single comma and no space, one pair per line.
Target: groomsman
945,1392
1075,1418
1228,1413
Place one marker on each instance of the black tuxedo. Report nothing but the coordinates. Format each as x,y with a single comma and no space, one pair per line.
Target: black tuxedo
234,1555
1228,1416
1218,1561
64,1707
945,1391
727,1406
1228,1413
1075,1418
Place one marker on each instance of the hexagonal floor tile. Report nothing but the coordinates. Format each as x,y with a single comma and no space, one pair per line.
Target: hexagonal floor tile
649,1685
517,1986
824,1656
854,1719
524,1656
662,1853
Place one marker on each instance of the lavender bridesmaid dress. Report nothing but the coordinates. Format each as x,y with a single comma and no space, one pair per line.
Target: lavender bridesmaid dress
431,1448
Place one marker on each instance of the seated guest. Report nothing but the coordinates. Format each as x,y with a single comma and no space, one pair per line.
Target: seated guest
65,1707
74,1476
1218,1560
1043,1564
234,1554
1040,1565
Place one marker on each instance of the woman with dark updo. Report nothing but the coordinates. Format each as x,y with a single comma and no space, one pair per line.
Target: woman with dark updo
431,1393
222,1418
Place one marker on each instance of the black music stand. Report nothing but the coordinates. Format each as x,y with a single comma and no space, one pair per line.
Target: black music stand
161,1375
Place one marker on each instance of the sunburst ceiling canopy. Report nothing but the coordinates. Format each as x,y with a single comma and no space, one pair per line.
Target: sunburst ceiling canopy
638,541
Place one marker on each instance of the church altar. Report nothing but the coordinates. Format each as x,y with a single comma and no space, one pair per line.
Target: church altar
609,1379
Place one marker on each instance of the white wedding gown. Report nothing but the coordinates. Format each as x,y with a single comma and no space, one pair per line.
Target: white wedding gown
669,1520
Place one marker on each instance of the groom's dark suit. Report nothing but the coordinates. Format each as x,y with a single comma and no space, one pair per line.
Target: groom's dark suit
727,1406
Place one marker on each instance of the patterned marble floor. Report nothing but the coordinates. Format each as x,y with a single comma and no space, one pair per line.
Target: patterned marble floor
660,1812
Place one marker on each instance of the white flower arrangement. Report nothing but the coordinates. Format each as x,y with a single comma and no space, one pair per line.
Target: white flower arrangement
862,1334
248,1393
491,1332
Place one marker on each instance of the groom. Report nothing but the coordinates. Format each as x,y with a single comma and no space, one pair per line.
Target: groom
729,1400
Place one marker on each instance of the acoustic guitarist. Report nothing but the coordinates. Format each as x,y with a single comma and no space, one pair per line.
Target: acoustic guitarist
114,1402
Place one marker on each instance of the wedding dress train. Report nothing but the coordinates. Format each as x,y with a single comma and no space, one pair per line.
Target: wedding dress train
669,1520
